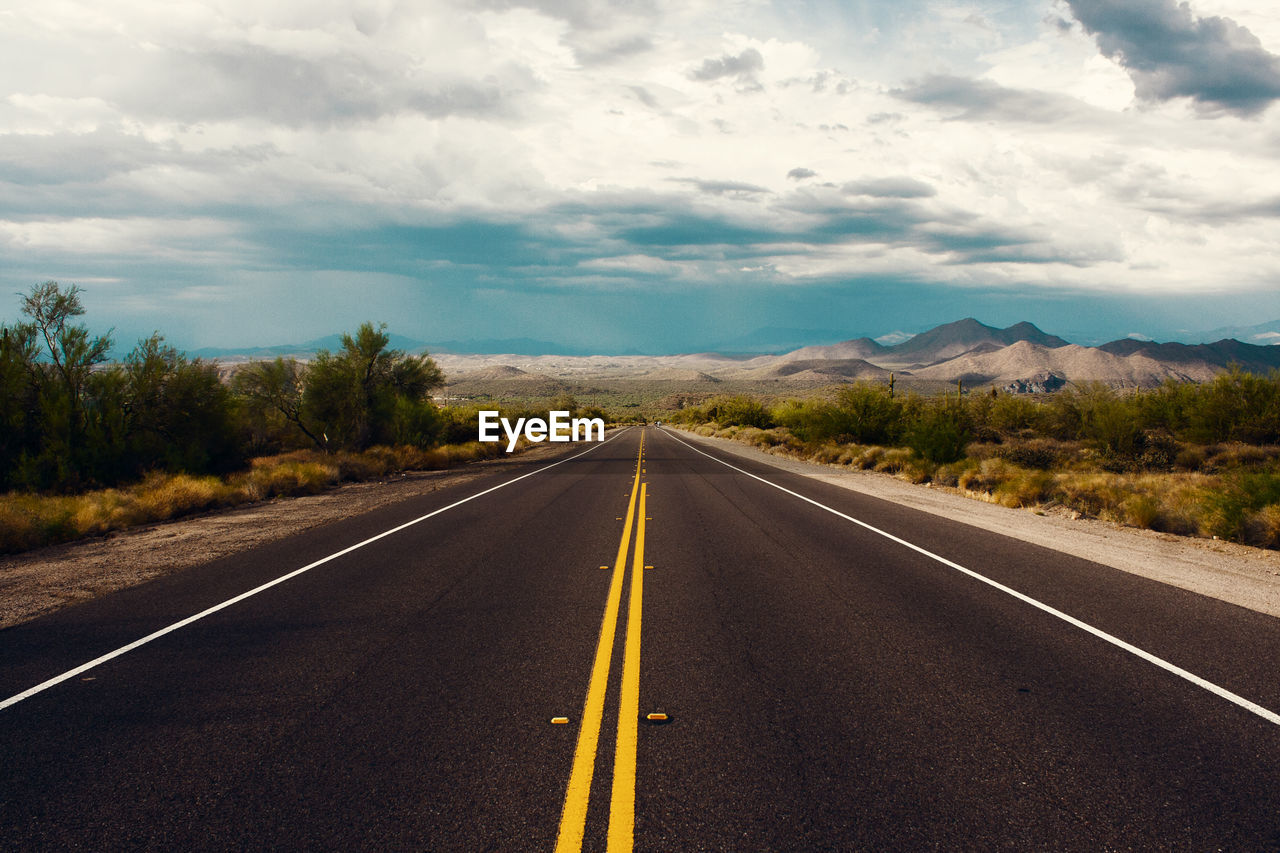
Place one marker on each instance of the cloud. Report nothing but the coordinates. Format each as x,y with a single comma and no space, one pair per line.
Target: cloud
743,66
895,187
981,100
1218,64
247,80
800,173
730,188
32,159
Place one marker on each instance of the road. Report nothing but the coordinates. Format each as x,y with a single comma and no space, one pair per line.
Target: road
836,672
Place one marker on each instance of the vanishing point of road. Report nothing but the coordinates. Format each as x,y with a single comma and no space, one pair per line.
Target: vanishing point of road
643,643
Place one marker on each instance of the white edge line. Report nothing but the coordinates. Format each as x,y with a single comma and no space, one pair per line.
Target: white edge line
72,673
1252,707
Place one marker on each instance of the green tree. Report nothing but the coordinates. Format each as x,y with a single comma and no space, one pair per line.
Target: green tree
871,416
62,384
19,392
273,391
367,393
179,414
939,433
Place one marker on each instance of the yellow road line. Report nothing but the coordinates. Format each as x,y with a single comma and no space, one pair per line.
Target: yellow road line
622,805
573,819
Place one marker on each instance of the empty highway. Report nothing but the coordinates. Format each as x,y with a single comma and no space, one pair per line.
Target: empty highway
644,643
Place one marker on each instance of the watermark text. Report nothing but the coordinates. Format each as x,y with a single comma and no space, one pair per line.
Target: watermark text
558,427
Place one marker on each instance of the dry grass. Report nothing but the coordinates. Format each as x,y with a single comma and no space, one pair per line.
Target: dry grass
1231,492
32,521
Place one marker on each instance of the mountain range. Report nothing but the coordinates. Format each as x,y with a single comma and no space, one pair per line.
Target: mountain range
1020,358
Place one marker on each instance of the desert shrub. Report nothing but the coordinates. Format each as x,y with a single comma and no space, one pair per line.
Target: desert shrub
1262,528
1023,488
1236,406
868,415
1158,451
867,458
892,460
1011,414
1189,458
162,497
1097,494
1039,453
950,474
1141,510
1243,493
830,454
985,475
738,411
939,434
1109,423
811,421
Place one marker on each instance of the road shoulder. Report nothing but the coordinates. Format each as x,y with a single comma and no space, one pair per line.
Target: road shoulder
1248,577
44,580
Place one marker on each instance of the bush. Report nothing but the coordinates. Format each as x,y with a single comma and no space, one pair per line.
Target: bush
739,411
1243,494
867,415
940,434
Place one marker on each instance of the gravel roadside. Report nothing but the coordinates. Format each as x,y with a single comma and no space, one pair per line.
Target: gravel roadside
38,582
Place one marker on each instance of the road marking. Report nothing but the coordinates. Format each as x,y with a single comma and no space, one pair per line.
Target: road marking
622,805
573,818
1222,692
559,721
98,661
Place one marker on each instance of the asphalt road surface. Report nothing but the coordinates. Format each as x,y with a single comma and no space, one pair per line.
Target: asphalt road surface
836,673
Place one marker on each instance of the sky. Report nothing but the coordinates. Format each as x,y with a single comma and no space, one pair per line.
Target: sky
651,176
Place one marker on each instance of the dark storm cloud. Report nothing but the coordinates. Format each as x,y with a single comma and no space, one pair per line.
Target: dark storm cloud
809,219
981,100
1170,53
743,66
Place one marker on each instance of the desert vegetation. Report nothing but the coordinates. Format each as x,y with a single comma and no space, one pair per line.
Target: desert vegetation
1192,459
88,445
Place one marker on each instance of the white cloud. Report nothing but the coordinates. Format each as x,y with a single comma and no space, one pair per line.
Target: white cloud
977,143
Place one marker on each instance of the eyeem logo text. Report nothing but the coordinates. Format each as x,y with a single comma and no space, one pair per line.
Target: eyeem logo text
560,428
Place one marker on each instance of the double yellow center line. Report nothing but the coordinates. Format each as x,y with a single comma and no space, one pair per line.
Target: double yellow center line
622,803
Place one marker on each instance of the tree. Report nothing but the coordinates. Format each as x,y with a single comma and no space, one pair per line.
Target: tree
19,425
367,393
71,349
62,383
276,388
179,414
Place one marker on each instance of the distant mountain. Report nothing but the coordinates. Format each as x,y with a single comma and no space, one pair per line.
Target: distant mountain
953,339
864,348
500,371
304,350
1025,362
1019,358
937,344
1221,354
823,369
1263,334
